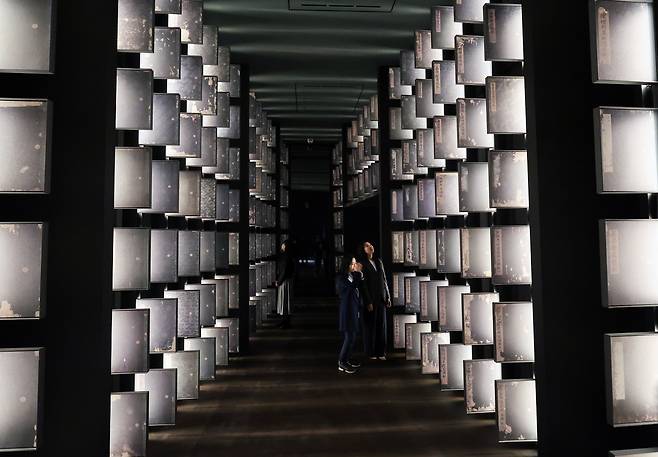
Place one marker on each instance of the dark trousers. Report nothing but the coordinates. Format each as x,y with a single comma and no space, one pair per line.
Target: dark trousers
349,338
374,331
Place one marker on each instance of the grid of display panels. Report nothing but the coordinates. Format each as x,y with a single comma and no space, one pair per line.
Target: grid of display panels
626,162
177,200
337,184
27,34
263,204
460,237
361,154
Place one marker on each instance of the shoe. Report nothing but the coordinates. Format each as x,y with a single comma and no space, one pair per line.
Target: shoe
373,358
382,357
354,364
346,368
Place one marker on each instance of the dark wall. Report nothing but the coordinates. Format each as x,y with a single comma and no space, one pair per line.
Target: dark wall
362,224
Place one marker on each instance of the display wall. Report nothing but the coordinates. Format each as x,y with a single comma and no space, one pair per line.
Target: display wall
455,211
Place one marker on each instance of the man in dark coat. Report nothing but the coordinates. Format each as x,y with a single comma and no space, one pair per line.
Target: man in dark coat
377,299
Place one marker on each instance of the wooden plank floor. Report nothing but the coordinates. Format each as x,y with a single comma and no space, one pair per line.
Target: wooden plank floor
288,399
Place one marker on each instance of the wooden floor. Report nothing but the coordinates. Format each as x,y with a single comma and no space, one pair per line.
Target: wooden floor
288,399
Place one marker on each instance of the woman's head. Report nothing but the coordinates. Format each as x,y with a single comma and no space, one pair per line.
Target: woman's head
349,264
366,250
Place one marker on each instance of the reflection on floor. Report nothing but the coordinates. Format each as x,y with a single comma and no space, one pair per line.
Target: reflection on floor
288,399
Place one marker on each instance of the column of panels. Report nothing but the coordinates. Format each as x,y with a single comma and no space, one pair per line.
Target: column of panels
263,187
461,282
362,154
26,46
626,163
177,215
338,215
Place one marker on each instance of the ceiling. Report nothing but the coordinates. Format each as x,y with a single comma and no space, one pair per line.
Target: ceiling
313,68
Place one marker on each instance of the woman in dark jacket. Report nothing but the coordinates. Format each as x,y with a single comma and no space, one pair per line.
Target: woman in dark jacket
286,270
348,284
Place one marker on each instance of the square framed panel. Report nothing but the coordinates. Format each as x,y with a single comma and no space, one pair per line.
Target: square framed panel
410,202
424,52
426,106
134,99
190,137
411,248
429,351
426,198
471,68
476,252
444,27
189,195
514,332
429,299
408,71
209,196
472,124
427,249
164,256
208,49
397,288
503,32
131,259
474,187
412,337
626,145
450,307
23,270
451,365
397,198
164,187
398,247
623,42
469,11
25,145
166,122
444,86
189,86
506,104
27,32
160,383
511,258
188,312
190,21
232,132
135,25
516,410
164,61
21,375
206,348
412,293
395,87
208,157
207,252
132,178
222,116
168,6
396,131
631,377
410,120
187,367
189,253
208,103
478,322
130,341
447,193
445,139
448,251
508,179
629,277
480,378
163,323
221,336
223,291
129,414
207,303
233,324
425,149
399,329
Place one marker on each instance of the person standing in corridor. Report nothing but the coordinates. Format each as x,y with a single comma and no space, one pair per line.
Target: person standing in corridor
348,288
377,299
285,269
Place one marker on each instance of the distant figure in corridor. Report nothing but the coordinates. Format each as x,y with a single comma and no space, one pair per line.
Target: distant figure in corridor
348,288
376,298
285,269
